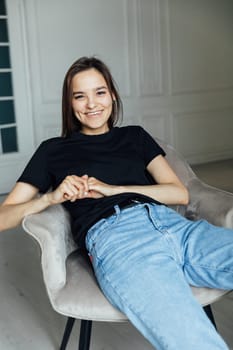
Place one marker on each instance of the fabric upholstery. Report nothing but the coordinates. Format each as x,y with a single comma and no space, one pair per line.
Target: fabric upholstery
68,276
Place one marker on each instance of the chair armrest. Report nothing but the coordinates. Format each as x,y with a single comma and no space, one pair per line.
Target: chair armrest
51,229
210,203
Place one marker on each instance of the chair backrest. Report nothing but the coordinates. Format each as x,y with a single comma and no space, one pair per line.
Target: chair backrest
185,174
205,201
177,163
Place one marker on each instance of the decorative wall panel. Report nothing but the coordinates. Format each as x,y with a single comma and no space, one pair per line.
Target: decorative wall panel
157,125
204,135
149,47
201,45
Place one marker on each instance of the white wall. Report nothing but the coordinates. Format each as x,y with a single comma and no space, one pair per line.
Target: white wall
172,60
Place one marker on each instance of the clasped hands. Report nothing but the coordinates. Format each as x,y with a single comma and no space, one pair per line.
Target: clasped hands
75,187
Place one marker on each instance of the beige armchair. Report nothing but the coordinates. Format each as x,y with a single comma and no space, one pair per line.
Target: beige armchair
68,276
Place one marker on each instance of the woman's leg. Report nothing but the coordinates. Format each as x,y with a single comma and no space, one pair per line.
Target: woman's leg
204,251
138,268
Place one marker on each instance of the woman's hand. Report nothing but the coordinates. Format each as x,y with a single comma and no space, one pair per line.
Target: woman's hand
74,187
99,189
71,188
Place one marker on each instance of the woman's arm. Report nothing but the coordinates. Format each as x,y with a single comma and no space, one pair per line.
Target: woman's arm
19,203
168,190
23,199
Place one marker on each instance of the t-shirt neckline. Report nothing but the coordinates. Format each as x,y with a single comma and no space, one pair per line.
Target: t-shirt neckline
99,137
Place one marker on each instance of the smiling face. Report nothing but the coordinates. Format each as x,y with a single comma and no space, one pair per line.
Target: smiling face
91,101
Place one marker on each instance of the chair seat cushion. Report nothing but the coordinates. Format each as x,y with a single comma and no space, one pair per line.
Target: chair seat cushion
81,296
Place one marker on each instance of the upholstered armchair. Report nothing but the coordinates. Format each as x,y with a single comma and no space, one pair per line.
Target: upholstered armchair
68,276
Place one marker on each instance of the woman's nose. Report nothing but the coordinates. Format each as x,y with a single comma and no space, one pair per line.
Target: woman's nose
91,102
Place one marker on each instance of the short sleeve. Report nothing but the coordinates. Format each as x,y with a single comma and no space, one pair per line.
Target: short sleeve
36,172
150,148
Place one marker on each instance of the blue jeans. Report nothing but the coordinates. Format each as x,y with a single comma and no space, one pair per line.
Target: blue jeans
146,256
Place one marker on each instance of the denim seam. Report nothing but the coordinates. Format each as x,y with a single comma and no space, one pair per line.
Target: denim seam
209,267
167,235
178,256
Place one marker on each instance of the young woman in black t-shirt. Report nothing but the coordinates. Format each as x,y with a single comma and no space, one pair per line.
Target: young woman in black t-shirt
116,183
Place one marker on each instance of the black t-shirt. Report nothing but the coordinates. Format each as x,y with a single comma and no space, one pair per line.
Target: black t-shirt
118,157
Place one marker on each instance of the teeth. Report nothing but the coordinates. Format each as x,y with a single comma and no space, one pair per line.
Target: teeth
93,113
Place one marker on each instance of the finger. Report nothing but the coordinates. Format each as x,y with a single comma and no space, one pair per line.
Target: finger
69,192
80,182
70,184
92,183
86,185
95,194
73,188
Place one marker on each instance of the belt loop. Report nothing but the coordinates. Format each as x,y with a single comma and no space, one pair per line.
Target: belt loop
117,209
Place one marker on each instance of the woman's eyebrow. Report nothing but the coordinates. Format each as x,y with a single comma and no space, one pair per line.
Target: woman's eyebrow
101,87
77,92
96,89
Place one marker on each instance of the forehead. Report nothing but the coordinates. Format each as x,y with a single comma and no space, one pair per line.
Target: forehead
88,80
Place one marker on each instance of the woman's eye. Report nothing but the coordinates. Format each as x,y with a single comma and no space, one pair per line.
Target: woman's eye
99,93
78,97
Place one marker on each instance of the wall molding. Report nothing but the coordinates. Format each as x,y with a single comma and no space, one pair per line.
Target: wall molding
209,77
149,48
158,125
190,136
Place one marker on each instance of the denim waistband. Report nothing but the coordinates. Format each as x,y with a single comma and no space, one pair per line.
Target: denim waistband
127,203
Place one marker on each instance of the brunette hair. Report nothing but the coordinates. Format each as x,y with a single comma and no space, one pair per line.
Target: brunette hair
69,121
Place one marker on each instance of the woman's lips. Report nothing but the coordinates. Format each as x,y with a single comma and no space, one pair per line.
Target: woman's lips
93,114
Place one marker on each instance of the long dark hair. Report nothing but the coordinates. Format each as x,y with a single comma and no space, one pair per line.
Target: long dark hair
69,121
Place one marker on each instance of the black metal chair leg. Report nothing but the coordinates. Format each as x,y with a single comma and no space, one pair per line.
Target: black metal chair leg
209,313
67,332
85,335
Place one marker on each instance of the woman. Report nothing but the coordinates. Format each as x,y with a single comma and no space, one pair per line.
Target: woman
116,183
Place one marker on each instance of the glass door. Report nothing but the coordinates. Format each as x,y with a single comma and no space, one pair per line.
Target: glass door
15,120
8,128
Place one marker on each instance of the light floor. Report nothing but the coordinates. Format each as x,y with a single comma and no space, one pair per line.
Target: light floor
27,321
